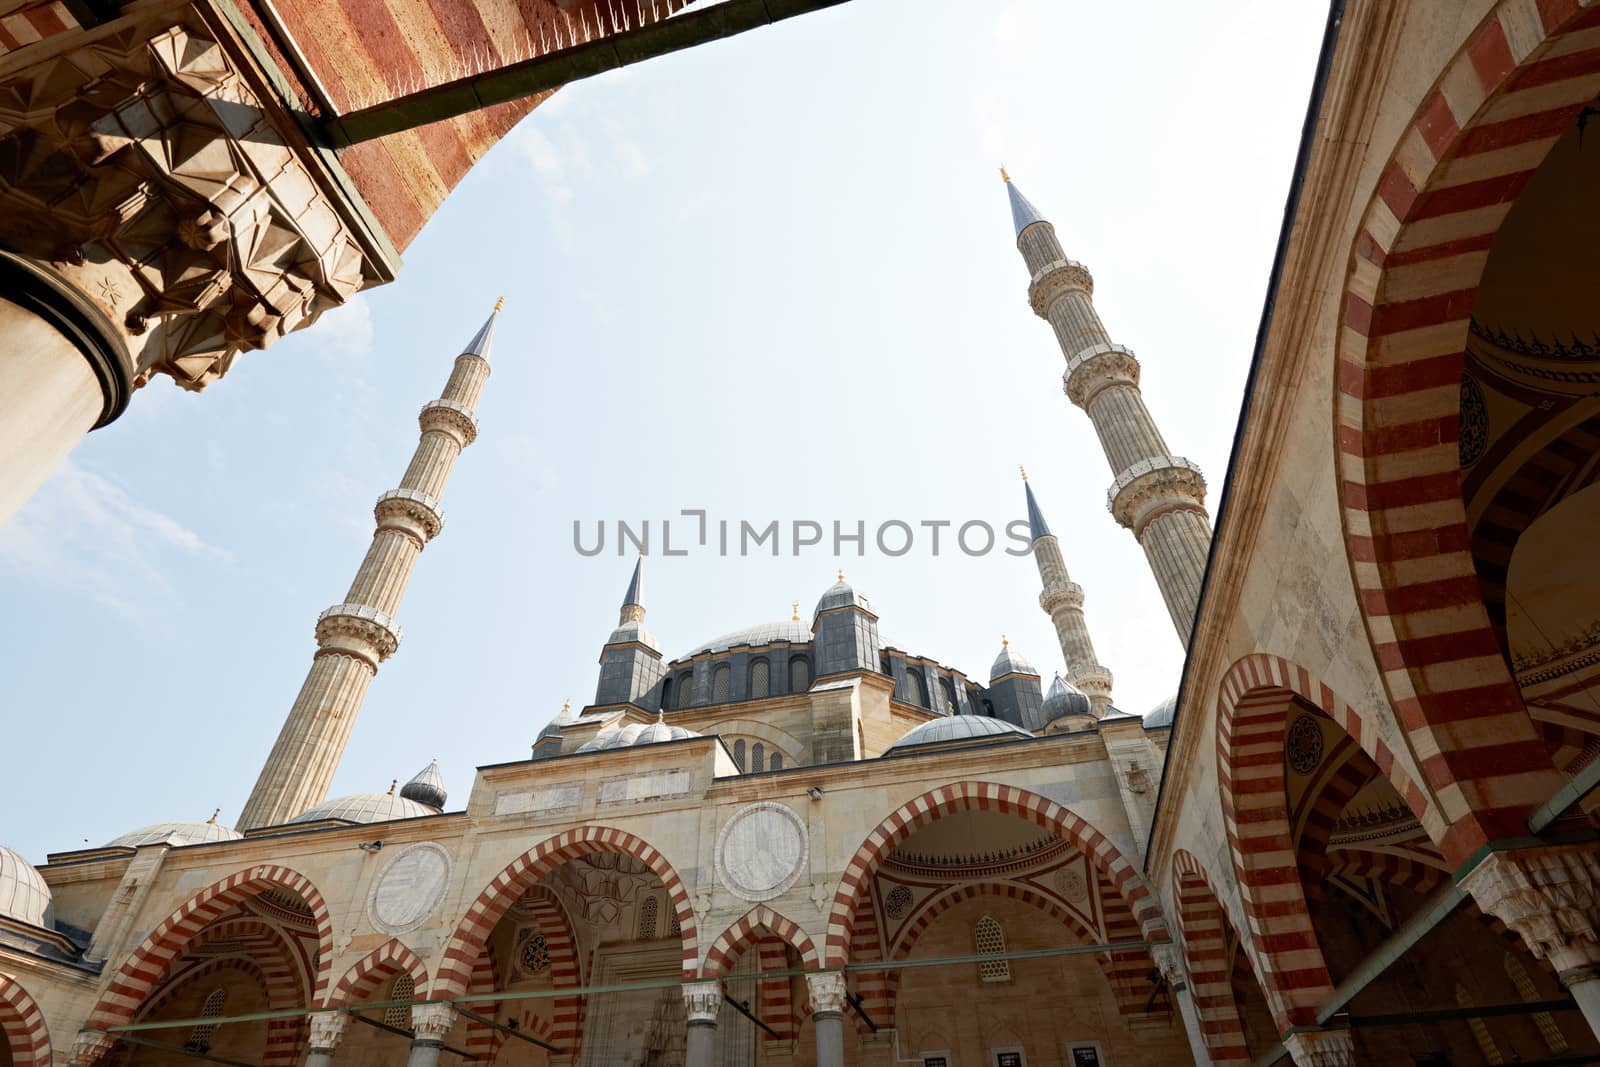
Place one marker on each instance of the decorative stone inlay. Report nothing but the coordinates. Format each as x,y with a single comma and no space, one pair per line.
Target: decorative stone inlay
1056,278
1072,885
645,786
360,629
703,1000
827,991
1303,745
898,902
761,850
533,955
410,506
1321,1048
410,888
432,1022
1548,896
1149,483
452,417
548,800
327,1030
1096,367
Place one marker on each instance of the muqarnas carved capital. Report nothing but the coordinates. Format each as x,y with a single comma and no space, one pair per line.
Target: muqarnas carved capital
1550,897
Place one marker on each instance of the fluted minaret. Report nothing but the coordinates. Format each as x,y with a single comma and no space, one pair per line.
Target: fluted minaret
359,633
1062,600
1157,495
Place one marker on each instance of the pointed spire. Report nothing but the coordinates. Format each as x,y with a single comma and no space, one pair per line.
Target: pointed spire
427,787
1023,213
634,597
483,340
1037,527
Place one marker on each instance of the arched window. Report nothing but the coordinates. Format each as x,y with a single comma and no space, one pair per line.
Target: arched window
722,684
685,690
1480,1030
666,693
674,928
200,1037
1553,1038
758,757
760,683
949,688
738,753
776,763
988,707
799,674
991,941
916,688
647,918
404,988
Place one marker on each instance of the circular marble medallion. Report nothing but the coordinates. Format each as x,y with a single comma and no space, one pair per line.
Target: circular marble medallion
1071,883
898,902
1304,744
410,888
761,850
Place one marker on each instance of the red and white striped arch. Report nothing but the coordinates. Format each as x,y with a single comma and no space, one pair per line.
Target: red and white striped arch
960,797
383,964
747,931
553,922
1405,872
1203,924
150,962
455,970
1491,118
22,1026
286,1038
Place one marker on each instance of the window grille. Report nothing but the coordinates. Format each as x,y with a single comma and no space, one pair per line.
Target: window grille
776,763
399,1016
647,919
758,757
991,941
200,1036
799,674
760,683
1480,1029
1553,1037
738,753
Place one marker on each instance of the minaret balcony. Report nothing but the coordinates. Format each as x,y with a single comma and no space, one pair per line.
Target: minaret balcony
411,511
362,631
1055,279
1155,484
451,417
1096,367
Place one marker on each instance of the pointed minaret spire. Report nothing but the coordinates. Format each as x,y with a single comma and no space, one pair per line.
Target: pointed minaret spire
1157,495
631,670
1062,600
357,634
633,599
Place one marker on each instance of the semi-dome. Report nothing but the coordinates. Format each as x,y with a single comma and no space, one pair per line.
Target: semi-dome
841,595
1162,714
427,788
23,894
794,631
365,807
1010,661
176,833
636,733
1064,699
957,728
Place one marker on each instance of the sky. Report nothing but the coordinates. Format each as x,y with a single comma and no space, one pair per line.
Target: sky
773,278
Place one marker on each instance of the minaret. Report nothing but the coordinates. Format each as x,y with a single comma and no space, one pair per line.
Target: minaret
1062,600
359,633
1157,495
630,663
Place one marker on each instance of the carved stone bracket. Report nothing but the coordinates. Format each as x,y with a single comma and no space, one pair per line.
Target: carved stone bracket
1321,1048
1548,896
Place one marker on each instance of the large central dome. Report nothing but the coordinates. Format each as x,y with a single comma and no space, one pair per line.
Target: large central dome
794,631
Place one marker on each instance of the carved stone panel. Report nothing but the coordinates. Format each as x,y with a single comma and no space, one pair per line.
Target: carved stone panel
410,888
761,850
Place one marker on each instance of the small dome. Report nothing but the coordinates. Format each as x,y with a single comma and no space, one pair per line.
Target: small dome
793,631
841,595
636,733
427,788
957,728
365,807
176,833
23,894
1162,714
1064,699
1010,661
631,632
553,727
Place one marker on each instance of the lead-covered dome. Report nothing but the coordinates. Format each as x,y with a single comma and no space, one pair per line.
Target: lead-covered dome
365,807
636,733
1064,699
841,595
957,728
176,833
23,893
793,631
427,788
1010,661
1162,714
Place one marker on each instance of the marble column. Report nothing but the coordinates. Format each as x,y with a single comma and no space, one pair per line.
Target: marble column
327,1030
1321,1048
703,1000
430,1025
1550,897
1169,959
827,1001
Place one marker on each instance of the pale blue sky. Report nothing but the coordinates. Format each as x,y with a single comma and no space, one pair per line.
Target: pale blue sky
774,278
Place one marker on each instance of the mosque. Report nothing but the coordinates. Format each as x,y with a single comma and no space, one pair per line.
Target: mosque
1360,832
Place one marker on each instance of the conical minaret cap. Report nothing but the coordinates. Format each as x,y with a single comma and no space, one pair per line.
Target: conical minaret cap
427,787
1037,527
1023,213
634,597
483,340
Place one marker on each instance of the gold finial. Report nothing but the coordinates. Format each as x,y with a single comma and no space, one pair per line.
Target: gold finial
392,783
795,606
1024,471
566,705
1003,642
500,303
213,820
1004,176
841,574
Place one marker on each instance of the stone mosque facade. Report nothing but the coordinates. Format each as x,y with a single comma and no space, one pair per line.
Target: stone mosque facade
1361,831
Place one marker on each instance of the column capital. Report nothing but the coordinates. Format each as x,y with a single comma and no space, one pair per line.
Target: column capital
327,1030
1169,961
703,1000
827,990
1321,1048
432,1022
1550,897
90,1047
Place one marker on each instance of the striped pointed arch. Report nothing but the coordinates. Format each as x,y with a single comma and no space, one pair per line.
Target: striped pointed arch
22,1026
480,1039
149,963
286,1038
376,969
550,915
747,931
1407,873
455,969
1203,925
960,797
1519,82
